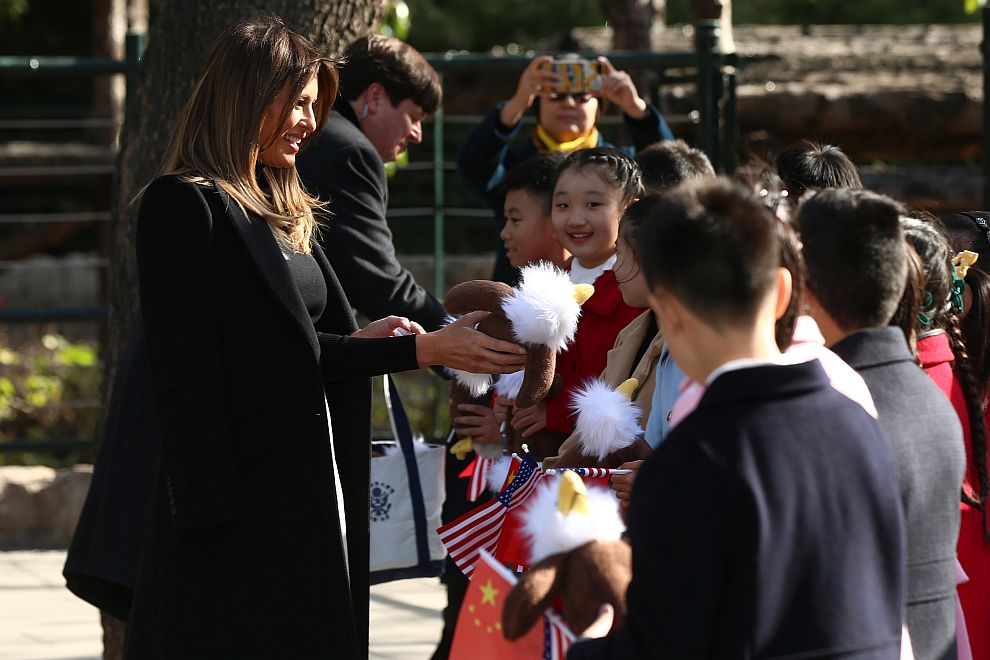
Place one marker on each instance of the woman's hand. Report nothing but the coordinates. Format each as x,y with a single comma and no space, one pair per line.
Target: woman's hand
460,346
533,82
478,423
530,420
618,88
622,484
388,327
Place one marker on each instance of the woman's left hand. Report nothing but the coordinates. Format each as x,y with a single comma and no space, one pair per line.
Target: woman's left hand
618,87
390,326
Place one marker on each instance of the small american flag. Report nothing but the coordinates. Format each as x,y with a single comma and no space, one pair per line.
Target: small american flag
479,529
557,637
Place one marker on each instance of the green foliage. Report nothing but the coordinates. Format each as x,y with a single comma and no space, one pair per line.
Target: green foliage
441,25
397,22
825,12
48,390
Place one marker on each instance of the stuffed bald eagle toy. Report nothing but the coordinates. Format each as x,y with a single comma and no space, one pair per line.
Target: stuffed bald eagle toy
577,555
541,313
606,427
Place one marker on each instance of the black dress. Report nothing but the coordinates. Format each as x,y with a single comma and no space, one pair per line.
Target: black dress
244,556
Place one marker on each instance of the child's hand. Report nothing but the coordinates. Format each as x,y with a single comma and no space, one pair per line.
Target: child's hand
477,423
622,484
532,83
502,407
618,88
530,420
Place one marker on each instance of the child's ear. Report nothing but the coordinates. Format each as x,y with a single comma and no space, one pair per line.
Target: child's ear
785,285
534,593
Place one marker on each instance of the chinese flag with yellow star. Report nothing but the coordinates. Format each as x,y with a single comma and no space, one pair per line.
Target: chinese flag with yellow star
478,635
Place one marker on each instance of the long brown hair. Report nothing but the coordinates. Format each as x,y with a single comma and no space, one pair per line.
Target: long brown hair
218,133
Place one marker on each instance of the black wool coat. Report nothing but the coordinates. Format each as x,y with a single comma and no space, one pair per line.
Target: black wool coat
927,440
244,557
342,168
767,525
102,562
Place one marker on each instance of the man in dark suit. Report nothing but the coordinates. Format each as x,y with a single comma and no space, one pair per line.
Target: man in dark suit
387,89
768,524
857,267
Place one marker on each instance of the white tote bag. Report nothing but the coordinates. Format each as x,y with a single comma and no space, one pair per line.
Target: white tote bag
407,493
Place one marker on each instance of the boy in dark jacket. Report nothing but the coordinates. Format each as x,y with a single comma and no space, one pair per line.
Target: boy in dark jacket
768,524
856,261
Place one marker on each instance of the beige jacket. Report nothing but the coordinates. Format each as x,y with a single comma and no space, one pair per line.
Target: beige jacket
619,367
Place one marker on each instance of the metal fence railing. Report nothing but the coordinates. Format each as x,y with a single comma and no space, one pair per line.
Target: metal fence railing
714,121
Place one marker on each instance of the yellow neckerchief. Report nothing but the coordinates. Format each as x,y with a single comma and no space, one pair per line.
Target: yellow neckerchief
545,143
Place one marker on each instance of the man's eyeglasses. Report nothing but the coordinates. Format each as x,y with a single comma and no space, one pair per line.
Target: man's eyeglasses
580,98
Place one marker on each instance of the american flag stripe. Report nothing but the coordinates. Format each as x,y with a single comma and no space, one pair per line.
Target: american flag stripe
520,496
478,478
468,542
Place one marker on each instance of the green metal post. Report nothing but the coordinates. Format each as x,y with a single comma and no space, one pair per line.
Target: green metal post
438,202
708,80
985,49
730,123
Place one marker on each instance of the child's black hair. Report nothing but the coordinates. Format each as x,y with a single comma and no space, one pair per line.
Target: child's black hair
855,255
940,311
665,164
537,176
620,171
714,246
971,231
790,258
816,165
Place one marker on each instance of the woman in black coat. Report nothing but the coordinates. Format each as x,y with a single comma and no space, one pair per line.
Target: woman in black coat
258,541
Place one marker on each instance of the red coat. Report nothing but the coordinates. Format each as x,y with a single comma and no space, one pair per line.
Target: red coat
936,359
603,316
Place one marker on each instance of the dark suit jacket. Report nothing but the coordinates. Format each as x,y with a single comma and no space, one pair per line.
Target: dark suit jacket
244,557
927,440
767,525
342,167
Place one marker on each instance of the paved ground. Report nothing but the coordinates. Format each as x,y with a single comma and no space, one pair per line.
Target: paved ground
40,620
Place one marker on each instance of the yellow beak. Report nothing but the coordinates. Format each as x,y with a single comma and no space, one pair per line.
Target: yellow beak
628,387
572,496
582,292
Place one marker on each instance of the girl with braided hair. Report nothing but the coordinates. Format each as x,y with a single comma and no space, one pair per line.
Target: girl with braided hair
593,189
942,353
970,231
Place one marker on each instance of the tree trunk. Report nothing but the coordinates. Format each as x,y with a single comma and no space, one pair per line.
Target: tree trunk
109,27
180,38
633,22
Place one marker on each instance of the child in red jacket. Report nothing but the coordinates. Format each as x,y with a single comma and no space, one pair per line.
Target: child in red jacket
594,186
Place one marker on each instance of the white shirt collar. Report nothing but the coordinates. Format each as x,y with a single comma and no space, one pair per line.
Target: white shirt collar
581,275
746,363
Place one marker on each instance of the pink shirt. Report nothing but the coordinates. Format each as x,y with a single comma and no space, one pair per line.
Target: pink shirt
808,344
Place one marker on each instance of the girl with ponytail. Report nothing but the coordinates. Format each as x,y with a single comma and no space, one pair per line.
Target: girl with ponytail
942,353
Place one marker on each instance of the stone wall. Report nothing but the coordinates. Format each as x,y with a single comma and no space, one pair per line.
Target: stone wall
39,506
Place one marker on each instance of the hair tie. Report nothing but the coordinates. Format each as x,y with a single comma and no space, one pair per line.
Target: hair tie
927,305
961,263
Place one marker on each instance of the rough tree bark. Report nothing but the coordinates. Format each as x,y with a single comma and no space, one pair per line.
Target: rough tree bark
634,21
177,44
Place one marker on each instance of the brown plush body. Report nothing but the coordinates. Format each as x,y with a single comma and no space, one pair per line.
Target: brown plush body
487,296
542,443
572,456
584,578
